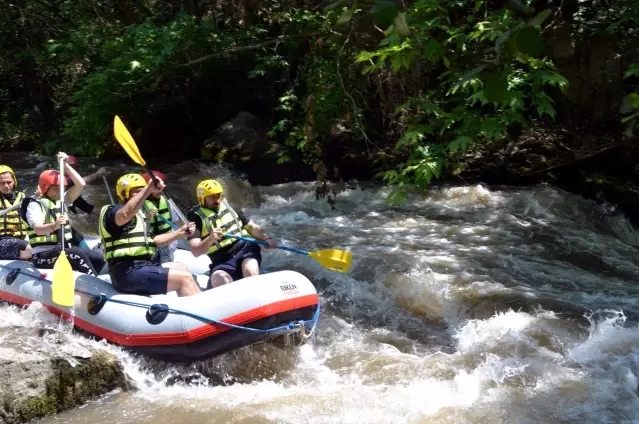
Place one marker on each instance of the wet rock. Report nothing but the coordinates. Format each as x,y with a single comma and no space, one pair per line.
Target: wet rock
52,376
243,142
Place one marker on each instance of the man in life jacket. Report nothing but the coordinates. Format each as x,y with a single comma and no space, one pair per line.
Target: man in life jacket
13,229
156,205
129,244
48,224
231,259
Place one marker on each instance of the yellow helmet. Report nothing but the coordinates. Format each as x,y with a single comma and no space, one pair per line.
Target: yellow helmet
4,169
207,188
127,182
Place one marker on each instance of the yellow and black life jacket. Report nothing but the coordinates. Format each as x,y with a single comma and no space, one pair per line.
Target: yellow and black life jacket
12,224
51,211
159,226
135,243
226,219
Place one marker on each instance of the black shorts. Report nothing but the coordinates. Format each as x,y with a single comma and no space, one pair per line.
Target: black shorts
139,277
10,248
232,263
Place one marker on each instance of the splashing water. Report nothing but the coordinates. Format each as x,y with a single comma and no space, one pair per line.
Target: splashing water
468,305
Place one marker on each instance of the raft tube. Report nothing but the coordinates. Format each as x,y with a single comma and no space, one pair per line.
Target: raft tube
172,328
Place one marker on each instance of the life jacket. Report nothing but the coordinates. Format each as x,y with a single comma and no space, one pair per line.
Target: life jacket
159,226
12,224
226,219
135,243
51,211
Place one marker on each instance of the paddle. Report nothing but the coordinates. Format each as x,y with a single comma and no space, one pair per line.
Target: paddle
108,189
12,208
128,144
333,259
63,285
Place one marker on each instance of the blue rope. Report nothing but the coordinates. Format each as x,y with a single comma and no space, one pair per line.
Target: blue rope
280,329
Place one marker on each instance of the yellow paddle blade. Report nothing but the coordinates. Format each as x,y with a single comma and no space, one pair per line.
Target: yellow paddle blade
63,287
336,260
126,141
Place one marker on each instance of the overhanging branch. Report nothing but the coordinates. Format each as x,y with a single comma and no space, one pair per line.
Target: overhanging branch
250,47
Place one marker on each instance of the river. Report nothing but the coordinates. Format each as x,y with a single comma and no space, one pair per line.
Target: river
466,305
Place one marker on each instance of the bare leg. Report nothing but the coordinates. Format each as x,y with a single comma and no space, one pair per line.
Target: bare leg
250,267
26,254
182,282
219,278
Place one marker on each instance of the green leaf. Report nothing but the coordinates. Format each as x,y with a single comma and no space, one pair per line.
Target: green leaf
529,41
626,105
384,12
401,25
633,71
495,86
460,143
554,79
544,105
465,78
433,51
345,17
396,63
492,128
540,18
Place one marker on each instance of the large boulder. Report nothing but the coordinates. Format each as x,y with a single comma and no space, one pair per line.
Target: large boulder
243,143
41,377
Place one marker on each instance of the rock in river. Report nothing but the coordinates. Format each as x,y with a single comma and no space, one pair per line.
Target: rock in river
50,373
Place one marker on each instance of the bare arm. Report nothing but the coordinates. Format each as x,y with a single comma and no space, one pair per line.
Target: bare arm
44,229
256,231
91,178
167,238
79,184
35,218
200,246
131,208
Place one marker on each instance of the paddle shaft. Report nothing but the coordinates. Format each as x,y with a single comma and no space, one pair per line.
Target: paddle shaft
12,208
263,243
168,197
61,180
247,239
106,184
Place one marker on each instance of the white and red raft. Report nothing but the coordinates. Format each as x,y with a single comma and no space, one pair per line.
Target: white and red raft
172,328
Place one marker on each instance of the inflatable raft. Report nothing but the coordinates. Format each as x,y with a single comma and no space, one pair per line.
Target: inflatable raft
172,328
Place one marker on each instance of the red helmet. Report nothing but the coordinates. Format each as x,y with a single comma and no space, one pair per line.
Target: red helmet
158,174
72,160
48,178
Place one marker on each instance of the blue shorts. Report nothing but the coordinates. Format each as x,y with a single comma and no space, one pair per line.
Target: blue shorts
232,263
139,277
10,248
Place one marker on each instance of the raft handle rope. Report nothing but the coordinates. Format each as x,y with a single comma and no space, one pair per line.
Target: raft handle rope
98,300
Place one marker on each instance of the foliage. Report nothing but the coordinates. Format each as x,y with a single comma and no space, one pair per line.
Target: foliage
411,87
